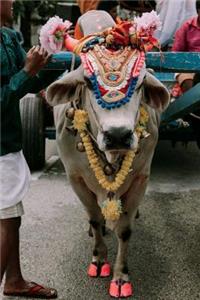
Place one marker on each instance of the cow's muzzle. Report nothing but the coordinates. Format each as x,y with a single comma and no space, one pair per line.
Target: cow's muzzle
119,138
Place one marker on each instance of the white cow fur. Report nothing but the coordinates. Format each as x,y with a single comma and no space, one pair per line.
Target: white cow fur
155,98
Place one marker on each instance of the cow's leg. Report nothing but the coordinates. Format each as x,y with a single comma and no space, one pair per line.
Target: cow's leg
99,265
90,233
120,285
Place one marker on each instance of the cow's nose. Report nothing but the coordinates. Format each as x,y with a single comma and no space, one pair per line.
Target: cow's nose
118,138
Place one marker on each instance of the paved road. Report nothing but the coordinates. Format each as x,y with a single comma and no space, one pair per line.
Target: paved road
164,256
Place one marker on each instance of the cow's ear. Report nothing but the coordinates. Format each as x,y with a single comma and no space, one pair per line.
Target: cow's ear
155,93
67,88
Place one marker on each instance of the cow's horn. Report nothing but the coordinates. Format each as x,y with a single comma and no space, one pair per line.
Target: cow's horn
71,43
75,45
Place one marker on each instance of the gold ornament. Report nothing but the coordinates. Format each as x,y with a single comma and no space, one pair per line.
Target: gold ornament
108,170
70,113
80,147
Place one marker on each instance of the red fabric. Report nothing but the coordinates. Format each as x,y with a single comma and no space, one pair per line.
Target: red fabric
187,37
176,91
123,90
121,33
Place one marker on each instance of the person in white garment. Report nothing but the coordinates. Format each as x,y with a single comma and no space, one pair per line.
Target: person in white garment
19,76
172,14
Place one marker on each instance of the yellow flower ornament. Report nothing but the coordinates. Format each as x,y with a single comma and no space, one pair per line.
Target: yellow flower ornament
111,208
80,120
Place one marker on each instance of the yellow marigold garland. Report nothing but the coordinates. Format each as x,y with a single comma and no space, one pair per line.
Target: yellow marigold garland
111,208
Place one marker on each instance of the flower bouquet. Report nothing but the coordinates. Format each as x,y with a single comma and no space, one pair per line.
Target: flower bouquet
53,34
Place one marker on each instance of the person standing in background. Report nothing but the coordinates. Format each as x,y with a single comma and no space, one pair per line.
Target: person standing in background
86,5
187,39
173,13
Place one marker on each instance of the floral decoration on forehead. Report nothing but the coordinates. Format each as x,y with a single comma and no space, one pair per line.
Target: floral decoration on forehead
138,34
113,74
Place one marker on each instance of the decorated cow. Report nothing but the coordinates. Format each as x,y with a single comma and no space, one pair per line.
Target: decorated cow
107,116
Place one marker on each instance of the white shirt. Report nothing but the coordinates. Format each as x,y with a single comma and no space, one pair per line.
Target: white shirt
172,14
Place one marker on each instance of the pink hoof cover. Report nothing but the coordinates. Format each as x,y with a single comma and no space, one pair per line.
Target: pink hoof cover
92,270
105,270
120,289
126,290
114,289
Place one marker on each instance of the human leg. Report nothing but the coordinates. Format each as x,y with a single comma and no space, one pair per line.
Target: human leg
10,220
15,284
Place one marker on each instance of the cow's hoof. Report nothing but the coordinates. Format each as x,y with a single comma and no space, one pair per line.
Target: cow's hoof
105,270
120,288
126,290
93,270
99,269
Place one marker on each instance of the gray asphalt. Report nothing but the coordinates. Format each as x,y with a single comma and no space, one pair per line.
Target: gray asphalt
164,253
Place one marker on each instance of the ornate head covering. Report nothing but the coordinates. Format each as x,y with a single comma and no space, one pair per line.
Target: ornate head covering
112,54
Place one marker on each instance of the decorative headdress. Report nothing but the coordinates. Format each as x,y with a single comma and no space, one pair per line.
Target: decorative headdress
138,34
112,59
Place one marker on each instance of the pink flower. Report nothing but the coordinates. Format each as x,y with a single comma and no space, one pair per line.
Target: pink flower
146,24
52,34
141,33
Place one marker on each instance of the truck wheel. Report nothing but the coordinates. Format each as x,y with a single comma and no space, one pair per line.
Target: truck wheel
33,130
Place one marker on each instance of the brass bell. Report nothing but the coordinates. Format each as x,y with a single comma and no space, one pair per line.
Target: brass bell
70,113
108,170
80,147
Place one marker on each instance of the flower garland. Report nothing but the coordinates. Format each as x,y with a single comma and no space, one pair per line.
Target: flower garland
112,207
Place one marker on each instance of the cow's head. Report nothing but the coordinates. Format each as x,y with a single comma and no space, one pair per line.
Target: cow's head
110,85
112,128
